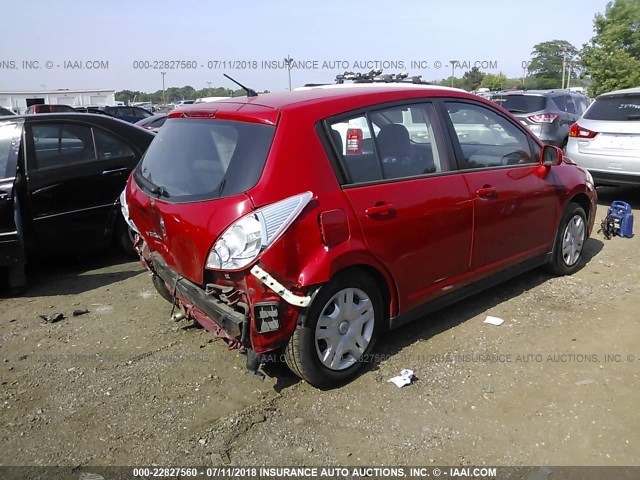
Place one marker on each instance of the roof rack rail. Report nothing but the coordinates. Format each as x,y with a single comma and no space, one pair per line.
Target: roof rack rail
376,76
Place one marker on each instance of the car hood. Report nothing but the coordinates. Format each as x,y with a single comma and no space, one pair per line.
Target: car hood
183,233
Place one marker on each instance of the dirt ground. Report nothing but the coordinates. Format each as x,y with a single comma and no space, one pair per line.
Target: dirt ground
556,384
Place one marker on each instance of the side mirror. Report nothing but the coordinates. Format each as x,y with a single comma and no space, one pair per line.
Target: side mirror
550,155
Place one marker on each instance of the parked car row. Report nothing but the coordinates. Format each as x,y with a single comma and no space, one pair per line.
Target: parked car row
129,114
547,113
258,223
602,136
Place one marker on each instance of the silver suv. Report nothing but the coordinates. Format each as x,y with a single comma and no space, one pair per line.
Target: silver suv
606,140
547,113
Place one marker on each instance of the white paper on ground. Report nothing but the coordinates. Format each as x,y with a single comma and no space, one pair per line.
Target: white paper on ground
493,320
405,378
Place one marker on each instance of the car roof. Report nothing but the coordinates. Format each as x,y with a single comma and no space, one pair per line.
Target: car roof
335,93
626,91
106,121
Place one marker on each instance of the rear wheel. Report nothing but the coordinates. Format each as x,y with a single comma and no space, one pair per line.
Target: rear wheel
570,239
339,332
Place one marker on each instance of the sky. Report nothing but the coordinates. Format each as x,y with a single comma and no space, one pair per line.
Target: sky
126,44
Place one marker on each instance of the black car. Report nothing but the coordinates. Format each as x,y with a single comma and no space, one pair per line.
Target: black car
91,110
5,111
547,113
128,114
61,175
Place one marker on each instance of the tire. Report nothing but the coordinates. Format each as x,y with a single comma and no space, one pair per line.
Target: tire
333,325
124,239
162,289
568,248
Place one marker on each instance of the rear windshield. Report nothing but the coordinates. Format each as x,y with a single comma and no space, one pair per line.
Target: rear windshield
521,103
203,159
618,108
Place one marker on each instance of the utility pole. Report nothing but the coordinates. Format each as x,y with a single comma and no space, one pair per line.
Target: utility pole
164,100
453,70
564,64
288,62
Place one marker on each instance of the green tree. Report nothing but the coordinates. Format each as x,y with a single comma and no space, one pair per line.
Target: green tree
612,57
494,81
547,59
472,79
449,81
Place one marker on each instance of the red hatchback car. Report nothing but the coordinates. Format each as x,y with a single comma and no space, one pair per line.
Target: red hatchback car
312,221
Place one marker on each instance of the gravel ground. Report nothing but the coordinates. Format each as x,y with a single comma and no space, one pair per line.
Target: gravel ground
555,384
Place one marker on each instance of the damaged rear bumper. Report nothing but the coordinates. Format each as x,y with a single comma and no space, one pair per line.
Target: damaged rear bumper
226,318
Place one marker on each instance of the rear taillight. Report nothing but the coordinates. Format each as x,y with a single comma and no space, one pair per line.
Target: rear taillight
543,118
248,237
579,132
354,141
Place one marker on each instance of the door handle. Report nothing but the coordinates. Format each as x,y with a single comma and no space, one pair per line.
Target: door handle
4,195
115,170
379,210
486,191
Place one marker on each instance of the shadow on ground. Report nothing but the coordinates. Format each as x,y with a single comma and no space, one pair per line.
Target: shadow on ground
454,315
73,275
606,195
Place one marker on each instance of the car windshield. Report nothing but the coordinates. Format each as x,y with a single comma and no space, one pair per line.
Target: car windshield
616,108
203,159
521,103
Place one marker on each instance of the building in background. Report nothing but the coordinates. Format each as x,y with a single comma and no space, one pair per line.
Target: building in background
20,101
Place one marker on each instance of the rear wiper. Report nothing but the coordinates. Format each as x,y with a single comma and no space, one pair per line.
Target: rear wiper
223,183
515,110
160,191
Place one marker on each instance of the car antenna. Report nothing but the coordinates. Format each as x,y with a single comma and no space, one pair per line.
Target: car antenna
250,91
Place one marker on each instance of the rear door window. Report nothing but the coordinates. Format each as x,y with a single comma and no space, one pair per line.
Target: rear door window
389,143
616,108
107,146
203,159
58,145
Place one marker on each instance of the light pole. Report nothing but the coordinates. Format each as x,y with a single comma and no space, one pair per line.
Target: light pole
164,100
288,61
564,63
453,70
209,83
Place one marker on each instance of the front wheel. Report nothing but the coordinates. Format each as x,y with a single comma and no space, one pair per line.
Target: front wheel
338,333
570,239
125,238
